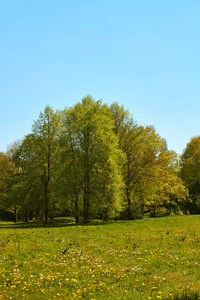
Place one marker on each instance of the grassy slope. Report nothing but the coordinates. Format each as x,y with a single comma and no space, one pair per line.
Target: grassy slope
144,259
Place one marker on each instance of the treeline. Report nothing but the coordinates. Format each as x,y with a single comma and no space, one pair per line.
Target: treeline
93,161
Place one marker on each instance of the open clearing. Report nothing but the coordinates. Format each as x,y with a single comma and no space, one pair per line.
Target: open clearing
143,259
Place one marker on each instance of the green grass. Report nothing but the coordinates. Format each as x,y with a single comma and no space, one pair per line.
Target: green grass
143,259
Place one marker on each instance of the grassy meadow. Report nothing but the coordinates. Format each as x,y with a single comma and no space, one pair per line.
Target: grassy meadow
142,259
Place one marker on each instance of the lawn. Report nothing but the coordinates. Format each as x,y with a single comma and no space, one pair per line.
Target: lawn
142,259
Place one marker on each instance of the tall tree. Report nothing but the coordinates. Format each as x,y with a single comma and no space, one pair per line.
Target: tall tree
5,166
92,151
27,188
141,147
147,171
190,170
11,173
38,158
128,134
46,146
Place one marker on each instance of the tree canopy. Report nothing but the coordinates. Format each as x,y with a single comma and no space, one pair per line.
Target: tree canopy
90,161
190,170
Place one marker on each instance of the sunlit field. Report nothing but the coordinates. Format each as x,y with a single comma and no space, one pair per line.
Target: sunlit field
143,259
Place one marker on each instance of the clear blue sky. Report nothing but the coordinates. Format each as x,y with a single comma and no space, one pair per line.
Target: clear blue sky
143,54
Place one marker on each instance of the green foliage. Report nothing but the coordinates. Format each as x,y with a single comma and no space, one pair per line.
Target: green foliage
5,166
35,161
190,174
6,215
131,213
93,160
150,170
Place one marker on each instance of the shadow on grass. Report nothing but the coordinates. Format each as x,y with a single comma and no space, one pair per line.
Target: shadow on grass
68,222
185,295
59,222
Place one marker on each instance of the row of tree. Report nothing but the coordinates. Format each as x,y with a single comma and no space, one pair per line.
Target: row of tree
92,161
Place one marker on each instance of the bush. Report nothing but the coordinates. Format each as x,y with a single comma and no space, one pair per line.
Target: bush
130,214
6,215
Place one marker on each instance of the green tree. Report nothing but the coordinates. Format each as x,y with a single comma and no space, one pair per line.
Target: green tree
45,145
128,134
149,168
26,184
190,170
159,185
69,176
5,166
93,157
141,147
38,159
9,174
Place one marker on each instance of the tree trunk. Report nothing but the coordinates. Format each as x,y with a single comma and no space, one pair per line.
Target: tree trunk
76,208
86,205
41,216
128,197
26,217
31,215
86,200
46,213
16,218
46,179
154,212
142,208
86,192
128,193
